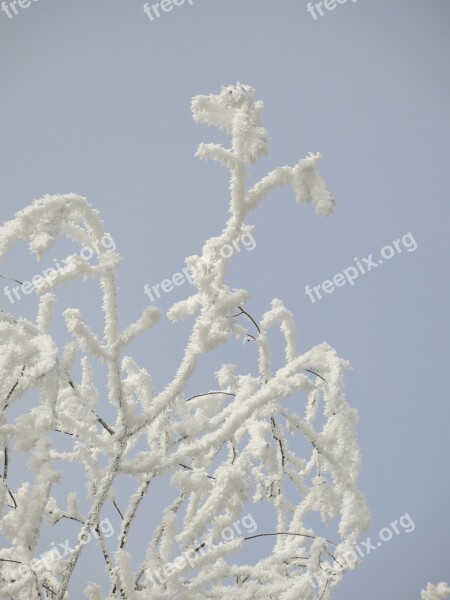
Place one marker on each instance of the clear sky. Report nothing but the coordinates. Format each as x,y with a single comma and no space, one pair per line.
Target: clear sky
95,99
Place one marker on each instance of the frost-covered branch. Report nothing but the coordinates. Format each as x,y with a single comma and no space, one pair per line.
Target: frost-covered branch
281,437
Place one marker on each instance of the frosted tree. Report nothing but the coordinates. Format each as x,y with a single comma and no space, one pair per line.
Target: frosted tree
283,438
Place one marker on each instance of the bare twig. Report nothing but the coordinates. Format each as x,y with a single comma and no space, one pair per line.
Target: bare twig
118,509
258,535
46,587
324,590
5,475
191,469
104,424
333,557
12,390
66,432
64,516
314,373
306,535
11,279
5,464
18,562
210,394
244,312
10,493
278,439
234,452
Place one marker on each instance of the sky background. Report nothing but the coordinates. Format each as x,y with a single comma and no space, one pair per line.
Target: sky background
95,99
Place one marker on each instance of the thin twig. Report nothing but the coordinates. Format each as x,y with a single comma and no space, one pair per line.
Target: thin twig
234,452
10,494
118,509
299,557
210,394
306,535
66,432
244,312
274,427
314,373
5,464
11,279
64,516
12,390
10,560
333,557
191,469
103,423
324,590
52,592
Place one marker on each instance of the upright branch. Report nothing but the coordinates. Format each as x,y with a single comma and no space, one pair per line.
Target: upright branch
225,449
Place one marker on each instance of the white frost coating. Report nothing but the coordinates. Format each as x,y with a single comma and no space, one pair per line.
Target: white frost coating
435,592
285,439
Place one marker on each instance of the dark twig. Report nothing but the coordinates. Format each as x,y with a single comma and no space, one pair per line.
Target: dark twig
99,419
64,516
191,469
333,557
18,562
314,373
258,535
244,312
10,494
278,439
118,509
12,390
210,394
66,432
52,592
105,425
299,557
306,535
5,464
234,452
324,590
11,279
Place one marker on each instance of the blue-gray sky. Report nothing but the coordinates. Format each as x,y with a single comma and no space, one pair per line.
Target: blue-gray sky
95,99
